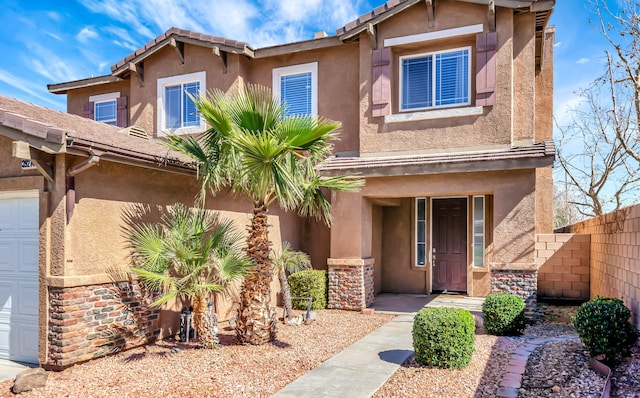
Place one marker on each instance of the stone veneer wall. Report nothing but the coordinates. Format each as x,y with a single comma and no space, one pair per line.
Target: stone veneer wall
92,321
522,283
615,256
564,265
350,284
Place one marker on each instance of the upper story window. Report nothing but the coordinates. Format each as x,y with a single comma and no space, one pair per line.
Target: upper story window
297,87
104,107
177,113
434,80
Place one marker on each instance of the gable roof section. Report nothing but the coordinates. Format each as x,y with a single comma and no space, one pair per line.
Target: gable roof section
59,132
540,154
183,36
542,8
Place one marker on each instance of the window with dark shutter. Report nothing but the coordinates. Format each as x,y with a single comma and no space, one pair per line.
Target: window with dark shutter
486,45
381,87
88,110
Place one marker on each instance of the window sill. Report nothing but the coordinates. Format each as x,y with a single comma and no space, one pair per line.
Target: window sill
435,114
182,130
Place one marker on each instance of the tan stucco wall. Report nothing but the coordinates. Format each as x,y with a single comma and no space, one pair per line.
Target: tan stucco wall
398,274
77,98
337,85
494,127
544,89
95,241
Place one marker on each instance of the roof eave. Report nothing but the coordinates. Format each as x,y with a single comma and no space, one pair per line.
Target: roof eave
62,88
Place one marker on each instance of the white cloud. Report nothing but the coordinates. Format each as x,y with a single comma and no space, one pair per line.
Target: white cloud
29,87
47,63
274,22
86,35
582,61
558,44
121,37
54,15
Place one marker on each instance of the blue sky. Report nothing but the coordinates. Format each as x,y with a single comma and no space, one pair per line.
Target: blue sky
57,41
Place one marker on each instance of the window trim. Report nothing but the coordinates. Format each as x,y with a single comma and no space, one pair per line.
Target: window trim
473,232
415,232
433,54
295,70
102,98
173,81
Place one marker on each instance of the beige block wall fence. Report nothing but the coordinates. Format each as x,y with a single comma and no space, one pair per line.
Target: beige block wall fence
615,256
564,265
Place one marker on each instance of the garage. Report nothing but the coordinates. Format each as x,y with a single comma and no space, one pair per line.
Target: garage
19,276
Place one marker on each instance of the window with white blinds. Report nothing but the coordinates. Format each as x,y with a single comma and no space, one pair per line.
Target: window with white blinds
433,80
177,113
297,88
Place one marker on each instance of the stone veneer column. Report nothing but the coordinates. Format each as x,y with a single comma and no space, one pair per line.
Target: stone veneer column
87,322
522,283
350,283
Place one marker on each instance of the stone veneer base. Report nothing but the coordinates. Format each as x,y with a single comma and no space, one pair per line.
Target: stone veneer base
88,322
350,283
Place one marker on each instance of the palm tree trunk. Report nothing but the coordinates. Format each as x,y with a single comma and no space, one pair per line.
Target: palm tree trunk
202,323
256,322
286,296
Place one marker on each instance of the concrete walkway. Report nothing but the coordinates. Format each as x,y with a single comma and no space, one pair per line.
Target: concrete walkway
361,369
9,369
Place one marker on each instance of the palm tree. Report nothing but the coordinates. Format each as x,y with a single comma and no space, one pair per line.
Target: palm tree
189,253
253,148
288,260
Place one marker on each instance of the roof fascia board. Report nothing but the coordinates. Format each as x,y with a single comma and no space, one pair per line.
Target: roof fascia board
446,168
61,88
35,142
397,9
291,48
540,5
438,34
167,42
124,156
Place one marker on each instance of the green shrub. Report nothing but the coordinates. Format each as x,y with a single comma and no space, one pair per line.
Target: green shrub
309,283
503,314
604,328
443,337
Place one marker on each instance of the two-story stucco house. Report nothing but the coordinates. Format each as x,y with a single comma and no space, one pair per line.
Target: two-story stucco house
446,112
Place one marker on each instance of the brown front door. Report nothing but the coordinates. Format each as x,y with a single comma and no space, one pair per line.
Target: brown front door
449,248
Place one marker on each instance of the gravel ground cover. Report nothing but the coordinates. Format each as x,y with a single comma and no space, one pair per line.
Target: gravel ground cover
555,369
230,370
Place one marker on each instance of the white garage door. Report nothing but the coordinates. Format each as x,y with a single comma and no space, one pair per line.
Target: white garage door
19,276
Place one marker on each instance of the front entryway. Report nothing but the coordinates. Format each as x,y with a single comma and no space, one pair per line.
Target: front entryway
19,226
449,244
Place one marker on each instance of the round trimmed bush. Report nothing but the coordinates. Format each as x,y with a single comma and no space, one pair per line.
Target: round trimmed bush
604,328
503,314
443,337
309,283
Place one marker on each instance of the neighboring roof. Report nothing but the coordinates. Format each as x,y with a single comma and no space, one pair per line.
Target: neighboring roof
392,7
184,36
541,154
58,132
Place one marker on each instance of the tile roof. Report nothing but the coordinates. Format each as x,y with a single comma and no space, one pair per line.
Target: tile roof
393,6
201,38
65,129
542,154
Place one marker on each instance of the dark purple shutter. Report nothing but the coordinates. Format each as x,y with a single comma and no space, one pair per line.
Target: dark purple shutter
486,45
88,110
122,115
381,89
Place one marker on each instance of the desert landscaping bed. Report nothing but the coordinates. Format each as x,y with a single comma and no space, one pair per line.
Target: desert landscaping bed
230,370
171,369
